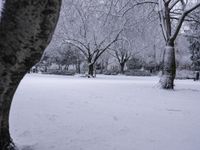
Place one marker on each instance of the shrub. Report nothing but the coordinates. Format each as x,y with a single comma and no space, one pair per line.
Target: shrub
137,72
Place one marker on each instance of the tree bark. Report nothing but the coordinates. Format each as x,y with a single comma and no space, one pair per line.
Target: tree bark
169,68
26,28
122,68
91,70
78,67
8,86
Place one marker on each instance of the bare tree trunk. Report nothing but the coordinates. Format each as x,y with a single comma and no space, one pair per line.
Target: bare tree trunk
91,70
169,68
78,67
102,67
26,28
8,86
122,68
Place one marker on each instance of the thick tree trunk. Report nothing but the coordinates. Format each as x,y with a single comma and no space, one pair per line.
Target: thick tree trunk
169,68
91,70
26,28
122,68
8,87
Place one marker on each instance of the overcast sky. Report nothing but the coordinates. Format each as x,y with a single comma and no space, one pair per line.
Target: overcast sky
0,3
0,6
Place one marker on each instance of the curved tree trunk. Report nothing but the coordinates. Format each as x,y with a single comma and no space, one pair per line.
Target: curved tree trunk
169,68
26,28
8,87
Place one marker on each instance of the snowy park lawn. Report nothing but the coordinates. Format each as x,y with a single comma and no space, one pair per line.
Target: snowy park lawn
107,113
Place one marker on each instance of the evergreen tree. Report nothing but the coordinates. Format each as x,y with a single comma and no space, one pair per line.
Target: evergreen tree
194,39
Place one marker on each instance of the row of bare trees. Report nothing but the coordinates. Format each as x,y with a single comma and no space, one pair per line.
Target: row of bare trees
95,27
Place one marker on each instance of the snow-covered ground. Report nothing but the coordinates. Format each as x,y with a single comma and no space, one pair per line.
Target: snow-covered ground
106,113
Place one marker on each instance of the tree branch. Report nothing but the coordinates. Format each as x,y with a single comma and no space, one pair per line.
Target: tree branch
181,20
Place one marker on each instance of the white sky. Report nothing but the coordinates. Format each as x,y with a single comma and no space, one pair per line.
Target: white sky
0,3
0,6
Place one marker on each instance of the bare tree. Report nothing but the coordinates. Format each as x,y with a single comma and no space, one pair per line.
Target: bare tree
91,28
26,28
172,15
142,29
122,52
92,55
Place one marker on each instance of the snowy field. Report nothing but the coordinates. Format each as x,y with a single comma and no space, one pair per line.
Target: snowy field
106,113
